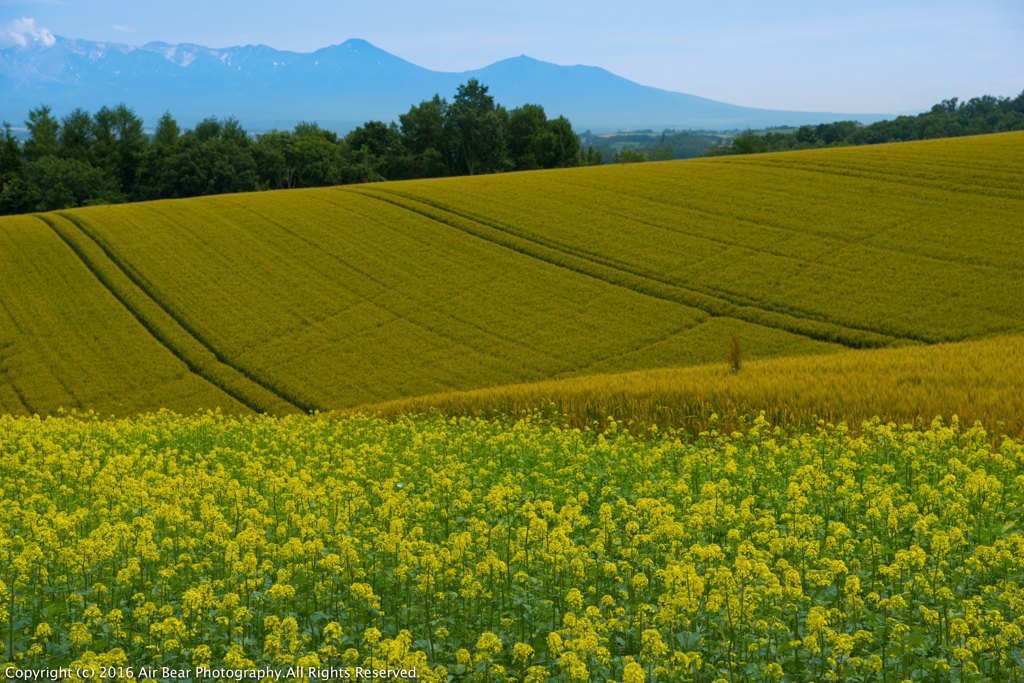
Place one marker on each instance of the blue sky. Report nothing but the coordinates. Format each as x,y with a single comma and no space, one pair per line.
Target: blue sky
868,56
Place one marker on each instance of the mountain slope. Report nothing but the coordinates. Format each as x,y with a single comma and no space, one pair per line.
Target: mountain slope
341,86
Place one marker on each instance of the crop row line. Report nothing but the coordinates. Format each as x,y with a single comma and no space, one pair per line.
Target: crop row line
714,306
880,176
291,401
807,231
20,398
436,310
161,323
731,297
9,378
624,353
398,304
620,268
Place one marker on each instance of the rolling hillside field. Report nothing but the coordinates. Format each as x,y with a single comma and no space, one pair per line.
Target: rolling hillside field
306,300
551,475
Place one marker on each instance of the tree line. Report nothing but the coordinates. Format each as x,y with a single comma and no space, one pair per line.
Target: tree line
949,118
107,157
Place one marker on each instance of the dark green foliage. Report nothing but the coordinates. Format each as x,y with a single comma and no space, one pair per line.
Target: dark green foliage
276,160
213,158
167,131
628,156
117,161
684,145
528,136
10,156
564,144
591,156
535,142
43,131
76,136
949,118
306,129
308,157
318,161
378,138
129,146
53,183
18,196
478,130
378,151
426,143
748,142
662,152
103,137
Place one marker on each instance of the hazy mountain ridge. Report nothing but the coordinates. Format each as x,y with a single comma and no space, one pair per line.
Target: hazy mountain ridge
340,86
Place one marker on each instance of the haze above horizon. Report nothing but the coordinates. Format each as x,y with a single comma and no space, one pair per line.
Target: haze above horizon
872,57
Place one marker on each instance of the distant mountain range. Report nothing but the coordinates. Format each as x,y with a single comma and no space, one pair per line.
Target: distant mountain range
340,87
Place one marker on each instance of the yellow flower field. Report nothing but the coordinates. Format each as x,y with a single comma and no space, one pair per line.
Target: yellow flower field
498,551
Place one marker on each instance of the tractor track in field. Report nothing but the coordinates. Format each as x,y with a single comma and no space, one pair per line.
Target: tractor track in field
592,266
189,347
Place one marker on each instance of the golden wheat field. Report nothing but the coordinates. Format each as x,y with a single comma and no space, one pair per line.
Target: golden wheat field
287,302
977,381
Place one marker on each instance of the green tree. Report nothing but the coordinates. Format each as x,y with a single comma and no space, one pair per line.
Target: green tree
425,138
276,161
51,183
130,144
213,158
67,183
835,132
806,135
231,131
10,156
628,156
104,138
207,129
167,131
591,157
18,196
43,140
477,129
157,157
662,152
76,136
529,141
380,145
947,107
377,137
309,156
748,142
536,142
306,129
318,161
564,143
